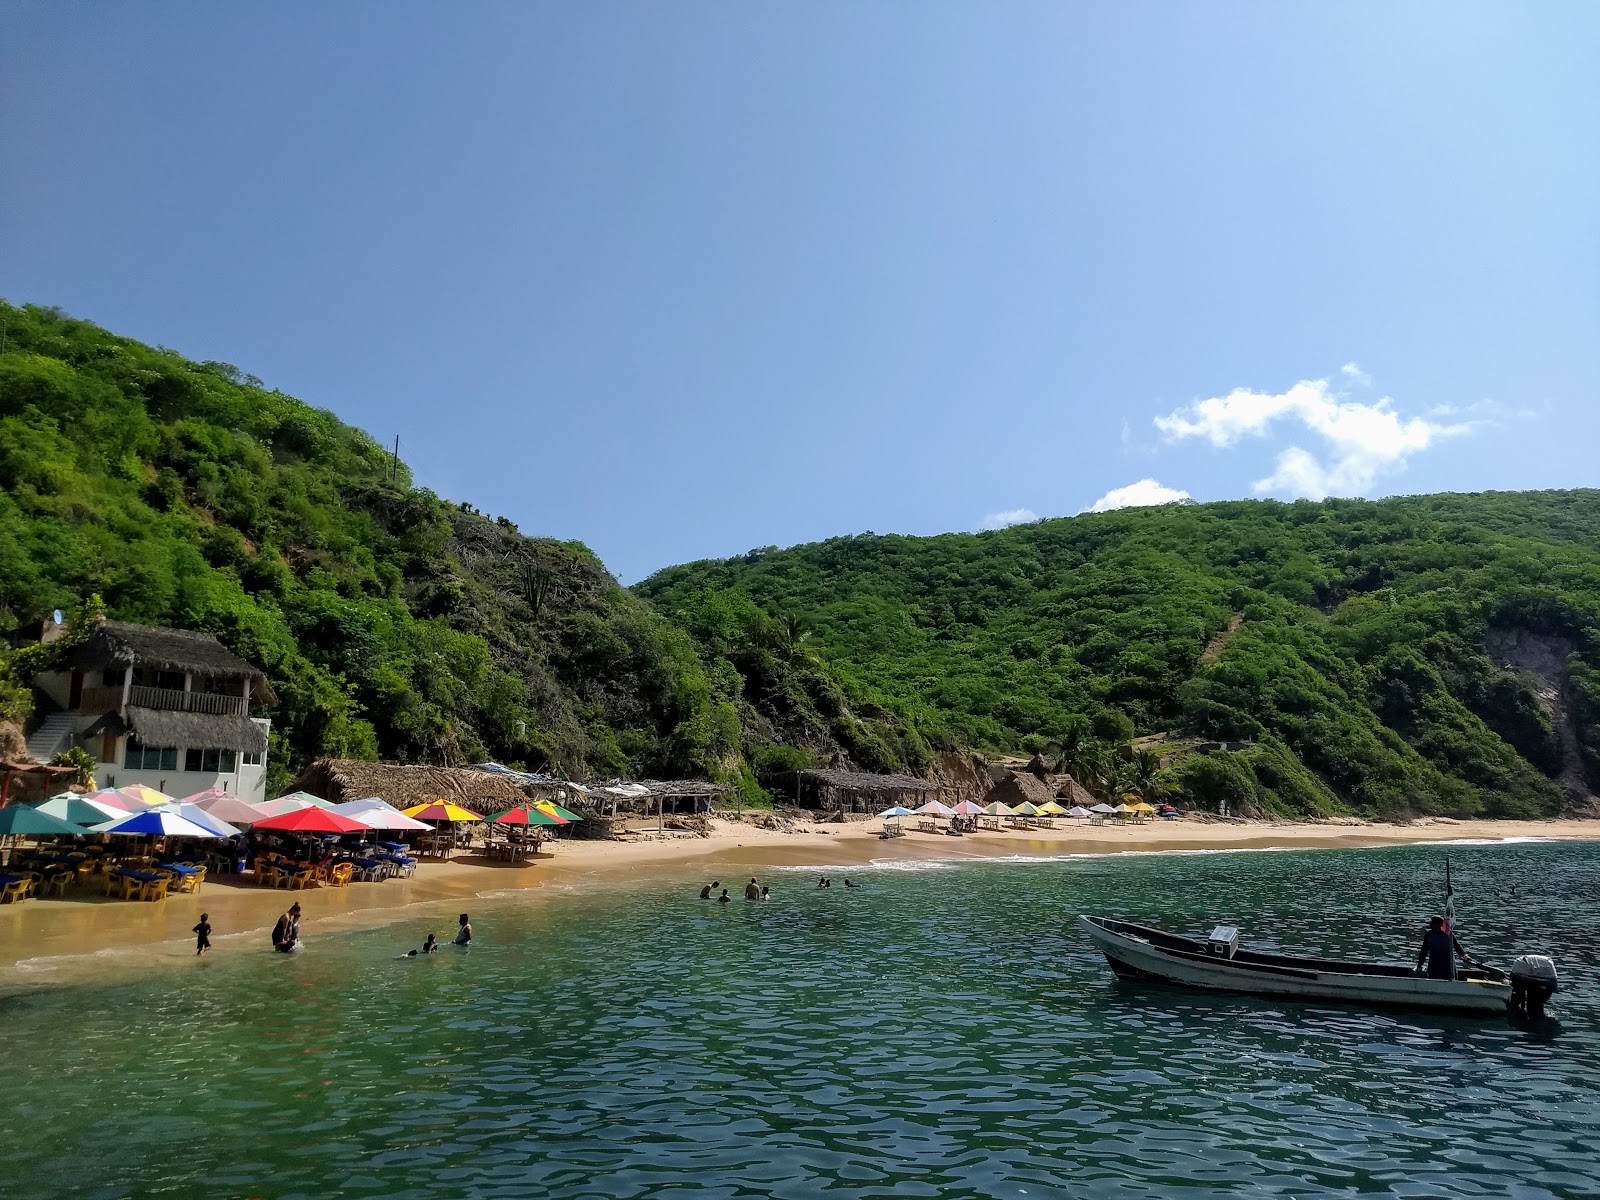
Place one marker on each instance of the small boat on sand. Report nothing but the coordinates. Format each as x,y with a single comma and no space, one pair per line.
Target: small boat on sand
1217,963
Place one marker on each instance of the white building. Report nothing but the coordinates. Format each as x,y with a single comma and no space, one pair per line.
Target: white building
165,707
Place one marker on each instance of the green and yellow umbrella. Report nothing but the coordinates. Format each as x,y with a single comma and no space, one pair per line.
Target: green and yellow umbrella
551,809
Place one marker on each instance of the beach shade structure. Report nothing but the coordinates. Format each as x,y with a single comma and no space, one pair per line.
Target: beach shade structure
524,814
23,820
1025,809
440,810
230,809
285,804
968,808
155,822
1139,806
79,810
1078,810
1051,809
1103,809
204,819
143,796
305,798
312,820
934,808
376,814
112,798
1000,809
551,809
899,810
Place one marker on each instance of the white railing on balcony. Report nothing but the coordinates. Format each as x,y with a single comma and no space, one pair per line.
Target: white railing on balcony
174,700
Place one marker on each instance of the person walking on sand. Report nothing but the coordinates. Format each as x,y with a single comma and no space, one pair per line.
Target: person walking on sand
202,936
464,934
752,890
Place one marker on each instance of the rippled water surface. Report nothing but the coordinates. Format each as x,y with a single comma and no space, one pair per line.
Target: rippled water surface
940,1031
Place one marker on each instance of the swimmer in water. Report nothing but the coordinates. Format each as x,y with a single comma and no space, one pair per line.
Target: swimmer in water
724,898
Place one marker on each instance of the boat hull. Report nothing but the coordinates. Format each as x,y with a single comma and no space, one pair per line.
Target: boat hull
1133,956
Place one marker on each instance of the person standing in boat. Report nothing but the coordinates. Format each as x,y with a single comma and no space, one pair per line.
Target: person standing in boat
1439,951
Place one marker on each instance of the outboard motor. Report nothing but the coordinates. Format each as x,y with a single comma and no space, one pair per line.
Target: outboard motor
1533,982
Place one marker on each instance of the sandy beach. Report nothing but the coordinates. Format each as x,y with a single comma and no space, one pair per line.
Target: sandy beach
85,934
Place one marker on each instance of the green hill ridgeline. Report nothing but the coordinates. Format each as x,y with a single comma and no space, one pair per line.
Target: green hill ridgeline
1433,654
1424,655
390,622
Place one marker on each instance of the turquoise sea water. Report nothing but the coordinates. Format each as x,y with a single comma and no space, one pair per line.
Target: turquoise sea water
943,1031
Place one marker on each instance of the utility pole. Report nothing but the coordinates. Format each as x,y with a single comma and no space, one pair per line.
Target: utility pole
394,469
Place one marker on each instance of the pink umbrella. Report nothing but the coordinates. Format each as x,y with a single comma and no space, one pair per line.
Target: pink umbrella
116,800
968,809
231,809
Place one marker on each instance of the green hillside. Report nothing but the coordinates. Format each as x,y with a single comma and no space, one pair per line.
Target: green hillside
1384,657
390,622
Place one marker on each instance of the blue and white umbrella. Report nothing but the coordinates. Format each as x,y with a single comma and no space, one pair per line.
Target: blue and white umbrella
897,811
193,812
158,822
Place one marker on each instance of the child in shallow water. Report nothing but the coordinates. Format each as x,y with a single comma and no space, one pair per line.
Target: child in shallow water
202,935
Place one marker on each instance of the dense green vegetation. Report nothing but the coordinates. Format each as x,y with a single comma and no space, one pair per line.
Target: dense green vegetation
1380,657
1352,640
388,621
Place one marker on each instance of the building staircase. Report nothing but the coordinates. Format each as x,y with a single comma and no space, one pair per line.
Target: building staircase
51,737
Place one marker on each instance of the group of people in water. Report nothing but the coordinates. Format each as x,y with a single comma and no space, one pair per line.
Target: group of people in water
752,891
755,890
286,934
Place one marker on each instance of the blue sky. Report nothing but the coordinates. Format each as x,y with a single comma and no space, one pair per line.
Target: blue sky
683,279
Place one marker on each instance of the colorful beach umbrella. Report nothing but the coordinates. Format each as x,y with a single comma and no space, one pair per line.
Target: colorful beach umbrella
551,809
1103,809
112,798
230,809
1000,809
204,819
968,808
79,810
305,799
440,810
156,822
936,809
524,814
899,810
23,820
1051,809
312,820
377,814
1026,809
144,796
1078,810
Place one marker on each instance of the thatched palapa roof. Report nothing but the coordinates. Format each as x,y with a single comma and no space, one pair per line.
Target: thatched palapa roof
162,727
866,782
341,779
1070,792
1018,786
124,644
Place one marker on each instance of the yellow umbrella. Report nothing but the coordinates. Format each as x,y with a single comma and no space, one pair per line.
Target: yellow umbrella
1051,809
439,810
1140,806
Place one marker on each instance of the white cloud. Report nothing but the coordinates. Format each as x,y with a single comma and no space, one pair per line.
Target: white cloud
1015,516
1354,373
1361,441
1137,495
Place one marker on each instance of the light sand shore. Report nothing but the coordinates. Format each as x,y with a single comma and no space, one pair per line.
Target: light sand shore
84,935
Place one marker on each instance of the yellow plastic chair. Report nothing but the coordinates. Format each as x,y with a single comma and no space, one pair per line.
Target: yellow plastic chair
156,889
340,875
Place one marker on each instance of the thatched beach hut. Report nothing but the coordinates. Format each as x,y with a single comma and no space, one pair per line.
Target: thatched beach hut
402,785
1017,787
856,791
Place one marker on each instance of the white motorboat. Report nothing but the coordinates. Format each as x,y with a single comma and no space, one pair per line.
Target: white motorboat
1217,963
